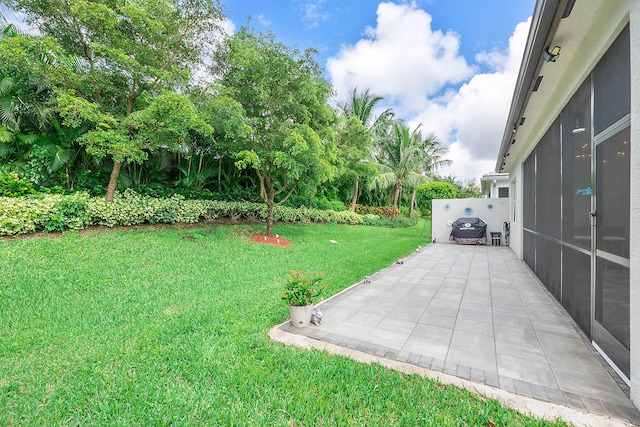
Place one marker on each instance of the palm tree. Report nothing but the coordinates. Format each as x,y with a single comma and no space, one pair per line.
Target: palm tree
406,157
360,106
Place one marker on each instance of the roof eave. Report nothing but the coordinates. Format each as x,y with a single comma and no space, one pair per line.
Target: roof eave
544,23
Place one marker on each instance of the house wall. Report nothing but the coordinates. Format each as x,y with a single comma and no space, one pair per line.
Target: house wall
495,190
515,211
495,212
635,203
585,36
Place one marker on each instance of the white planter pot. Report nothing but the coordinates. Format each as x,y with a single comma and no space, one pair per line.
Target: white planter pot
300,315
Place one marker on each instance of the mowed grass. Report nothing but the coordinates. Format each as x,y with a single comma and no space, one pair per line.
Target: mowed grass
170,327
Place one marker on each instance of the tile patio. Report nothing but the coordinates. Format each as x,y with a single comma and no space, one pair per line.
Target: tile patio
477,313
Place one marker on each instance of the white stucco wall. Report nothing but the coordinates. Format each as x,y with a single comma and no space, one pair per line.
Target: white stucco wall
492,211
635,202
585,36
515,240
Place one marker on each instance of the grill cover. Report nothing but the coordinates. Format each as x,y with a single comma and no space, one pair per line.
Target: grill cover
469,231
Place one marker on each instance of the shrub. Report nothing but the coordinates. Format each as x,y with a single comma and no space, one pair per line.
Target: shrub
400,222
20,215
324,204
70,212
434,190
345,217
55,212
11,185
386,211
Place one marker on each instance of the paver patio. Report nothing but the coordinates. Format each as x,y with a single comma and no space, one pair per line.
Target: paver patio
478,313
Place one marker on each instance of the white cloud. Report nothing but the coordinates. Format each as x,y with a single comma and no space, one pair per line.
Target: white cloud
465,167
313,12
475,114
16,18
402,59
264,20
228,27
425,79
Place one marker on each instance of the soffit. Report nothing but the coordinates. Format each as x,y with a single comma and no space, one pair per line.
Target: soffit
583,36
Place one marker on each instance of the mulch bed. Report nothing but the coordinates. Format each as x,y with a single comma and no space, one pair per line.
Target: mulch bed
270,240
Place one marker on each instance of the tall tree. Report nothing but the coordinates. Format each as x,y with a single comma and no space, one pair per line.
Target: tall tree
361,105
355,147
284,98
110,57
24,113
227,117
405,156
354,143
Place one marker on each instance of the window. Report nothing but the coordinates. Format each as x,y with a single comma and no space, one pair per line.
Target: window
503,192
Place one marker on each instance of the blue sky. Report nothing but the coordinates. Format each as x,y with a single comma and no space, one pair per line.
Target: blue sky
449,65
327,24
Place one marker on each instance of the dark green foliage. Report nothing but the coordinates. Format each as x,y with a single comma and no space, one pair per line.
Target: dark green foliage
70,213
11,185
237,194
398,222
324,204
434,190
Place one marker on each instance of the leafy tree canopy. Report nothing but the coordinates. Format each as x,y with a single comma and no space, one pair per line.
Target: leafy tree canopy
107,55
434,190
284,97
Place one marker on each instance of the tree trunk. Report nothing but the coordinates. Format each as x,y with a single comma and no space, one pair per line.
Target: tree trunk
270,218
270,199
113,181
396,197
355,195
413,202
220,173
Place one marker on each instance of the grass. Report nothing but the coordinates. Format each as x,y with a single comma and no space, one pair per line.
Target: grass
151,327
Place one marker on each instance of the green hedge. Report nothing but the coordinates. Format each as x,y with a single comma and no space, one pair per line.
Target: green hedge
44,212
382,211
56,212
389,223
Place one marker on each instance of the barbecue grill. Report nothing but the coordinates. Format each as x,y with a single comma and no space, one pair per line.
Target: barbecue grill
469,231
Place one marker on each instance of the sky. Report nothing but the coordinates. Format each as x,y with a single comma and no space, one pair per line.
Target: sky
450,65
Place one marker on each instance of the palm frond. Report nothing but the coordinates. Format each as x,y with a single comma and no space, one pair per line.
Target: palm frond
61,158
383,181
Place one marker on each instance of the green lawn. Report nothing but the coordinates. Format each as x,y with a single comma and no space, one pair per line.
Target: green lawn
171,327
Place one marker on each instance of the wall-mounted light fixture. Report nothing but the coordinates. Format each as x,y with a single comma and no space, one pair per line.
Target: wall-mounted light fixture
536,86
579,125
550,54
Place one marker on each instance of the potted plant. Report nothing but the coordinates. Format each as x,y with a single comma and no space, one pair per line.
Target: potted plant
302,289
